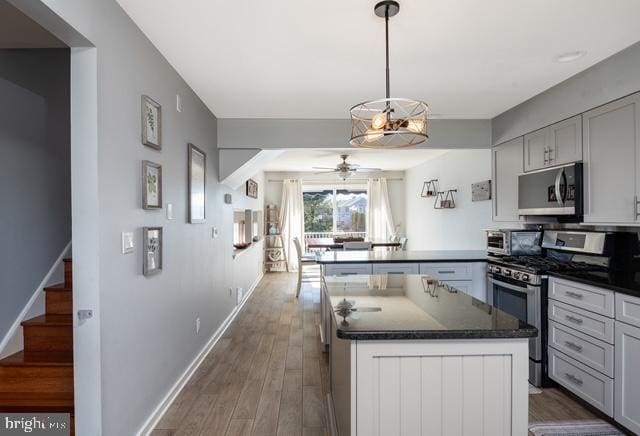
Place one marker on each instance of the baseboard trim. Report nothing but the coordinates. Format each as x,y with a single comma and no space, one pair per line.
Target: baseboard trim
153,419
37,293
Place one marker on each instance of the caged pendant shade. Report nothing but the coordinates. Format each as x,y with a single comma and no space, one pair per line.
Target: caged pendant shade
388,122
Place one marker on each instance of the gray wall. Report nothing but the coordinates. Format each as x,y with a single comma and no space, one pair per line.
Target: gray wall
608,80
147,324
333,133
35,174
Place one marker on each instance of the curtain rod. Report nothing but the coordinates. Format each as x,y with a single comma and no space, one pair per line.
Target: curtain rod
324,182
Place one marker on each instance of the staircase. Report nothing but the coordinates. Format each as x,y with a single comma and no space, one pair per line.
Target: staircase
40,377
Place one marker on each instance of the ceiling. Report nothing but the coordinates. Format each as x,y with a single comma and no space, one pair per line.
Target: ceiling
304,160
315,59
19,31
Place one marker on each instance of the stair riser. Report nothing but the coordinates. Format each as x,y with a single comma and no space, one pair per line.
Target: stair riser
59,303
68,274
37,379
48,338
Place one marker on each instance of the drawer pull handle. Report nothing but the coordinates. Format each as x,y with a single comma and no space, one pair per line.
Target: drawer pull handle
446,272
572,378
573,346
574,295
573,319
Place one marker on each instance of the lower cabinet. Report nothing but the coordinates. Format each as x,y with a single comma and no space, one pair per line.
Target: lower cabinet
344,269
627,381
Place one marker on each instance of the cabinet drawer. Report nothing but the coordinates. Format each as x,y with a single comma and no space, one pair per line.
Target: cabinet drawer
592,352
347,269
448,271
598,326
396,268
590,385
628,309
587,297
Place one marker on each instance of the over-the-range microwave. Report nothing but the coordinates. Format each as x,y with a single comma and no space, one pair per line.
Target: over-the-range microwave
554,192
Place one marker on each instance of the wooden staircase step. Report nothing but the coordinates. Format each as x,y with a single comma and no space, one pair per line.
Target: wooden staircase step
58,300
48,402
48,333
68,272
18,376
38,358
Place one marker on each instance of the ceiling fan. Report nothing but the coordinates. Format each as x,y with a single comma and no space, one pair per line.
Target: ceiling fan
345,170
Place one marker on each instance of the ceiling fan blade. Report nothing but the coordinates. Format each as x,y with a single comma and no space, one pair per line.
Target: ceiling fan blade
369,169
326,172
323,168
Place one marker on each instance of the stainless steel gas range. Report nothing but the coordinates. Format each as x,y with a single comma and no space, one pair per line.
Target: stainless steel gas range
518,284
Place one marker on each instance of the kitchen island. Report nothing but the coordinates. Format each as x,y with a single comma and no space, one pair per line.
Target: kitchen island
410,355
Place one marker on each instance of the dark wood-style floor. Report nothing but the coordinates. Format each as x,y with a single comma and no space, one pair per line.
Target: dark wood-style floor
267,375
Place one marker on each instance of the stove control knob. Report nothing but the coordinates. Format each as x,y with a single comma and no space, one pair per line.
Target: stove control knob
516,275
497,269
507,273
525,277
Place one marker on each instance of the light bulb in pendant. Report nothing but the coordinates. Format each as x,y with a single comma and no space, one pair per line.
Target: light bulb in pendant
378,121
415,126
373,135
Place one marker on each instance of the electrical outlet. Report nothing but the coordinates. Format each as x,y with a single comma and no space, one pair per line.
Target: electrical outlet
230,292
240,295
169,211
178,103
197,325
214,232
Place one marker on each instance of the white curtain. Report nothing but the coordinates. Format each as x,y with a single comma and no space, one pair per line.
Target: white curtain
380,225
292,219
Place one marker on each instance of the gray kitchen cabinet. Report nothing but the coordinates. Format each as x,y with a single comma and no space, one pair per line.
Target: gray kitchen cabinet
627,374
558,144
611,154
506,163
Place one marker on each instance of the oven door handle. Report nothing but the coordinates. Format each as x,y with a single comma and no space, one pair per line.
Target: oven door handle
524,290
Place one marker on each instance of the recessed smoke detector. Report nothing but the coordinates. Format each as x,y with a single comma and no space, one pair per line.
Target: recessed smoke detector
570,56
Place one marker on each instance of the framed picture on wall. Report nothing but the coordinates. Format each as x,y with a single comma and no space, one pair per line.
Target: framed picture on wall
151,250
197,184
151,123
252,188
151,185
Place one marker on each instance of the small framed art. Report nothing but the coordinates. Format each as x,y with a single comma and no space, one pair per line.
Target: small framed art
151,185
151,250
151,123
252,188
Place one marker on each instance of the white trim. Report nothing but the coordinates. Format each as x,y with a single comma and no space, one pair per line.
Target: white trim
153,419
15,327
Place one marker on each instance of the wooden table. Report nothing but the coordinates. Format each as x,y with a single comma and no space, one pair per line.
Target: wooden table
330,244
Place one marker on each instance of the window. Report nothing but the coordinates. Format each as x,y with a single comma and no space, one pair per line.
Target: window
335,210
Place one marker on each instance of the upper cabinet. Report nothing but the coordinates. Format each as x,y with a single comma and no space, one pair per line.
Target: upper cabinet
612,161
506,161
558,144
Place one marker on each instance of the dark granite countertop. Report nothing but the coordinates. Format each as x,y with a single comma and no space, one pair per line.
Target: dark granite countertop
385,256
624,282
411,308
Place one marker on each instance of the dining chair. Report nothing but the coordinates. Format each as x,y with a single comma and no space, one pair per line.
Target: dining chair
303,260
357,245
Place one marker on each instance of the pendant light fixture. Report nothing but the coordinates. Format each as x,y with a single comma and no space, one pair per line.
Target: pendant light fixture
388,122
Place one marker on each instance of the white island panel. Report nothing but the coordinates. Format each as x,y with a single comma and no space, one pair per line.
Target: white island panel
448,388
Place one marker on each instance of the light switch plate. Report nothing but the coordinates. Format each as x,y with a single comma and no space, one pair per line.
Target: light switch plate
169,211
178,103
128,244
